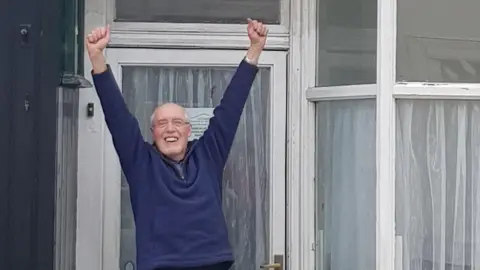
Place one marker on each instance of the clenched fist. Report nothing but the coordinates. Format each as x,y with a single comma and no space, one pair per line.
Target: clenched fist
257,33
97,41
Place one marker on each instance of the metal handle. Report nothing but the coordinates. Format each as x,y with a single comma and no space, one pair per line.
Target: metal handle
24,33
277,263
271,266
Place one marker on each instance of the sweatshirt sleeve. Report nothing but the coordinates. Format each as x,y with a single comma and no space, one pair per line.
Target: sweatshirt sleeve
219,136
123,126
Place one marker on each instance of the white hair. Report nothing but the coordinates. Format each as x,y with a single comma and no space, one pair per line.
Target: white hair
152,117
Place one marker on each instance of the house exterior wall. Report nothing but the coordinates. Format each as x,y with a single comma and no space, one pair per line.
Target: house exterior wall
66,178
355,76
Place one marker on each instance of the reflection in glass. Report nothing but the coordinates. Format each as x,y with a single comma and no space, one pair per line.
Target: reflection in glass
438,184
198,11
438,41
347,42
72,36
346,186
246,188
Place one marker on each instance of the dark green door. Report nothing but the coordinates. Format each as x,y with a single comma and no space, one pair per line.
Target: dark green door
30,51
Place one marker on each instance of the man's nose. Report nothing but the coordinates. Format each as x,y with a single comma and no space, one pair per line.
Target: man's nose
170,127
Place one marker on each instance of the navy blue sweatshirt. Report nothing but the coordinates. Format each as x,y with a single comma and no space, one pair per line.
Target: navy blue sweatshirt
179,220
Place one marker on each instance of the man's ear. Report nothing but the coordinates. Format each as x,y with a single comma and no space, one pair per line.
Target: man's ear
189,130
152,130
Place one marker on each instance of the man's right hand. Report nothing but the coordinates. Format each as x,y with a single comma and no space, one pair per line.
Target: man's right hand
96,42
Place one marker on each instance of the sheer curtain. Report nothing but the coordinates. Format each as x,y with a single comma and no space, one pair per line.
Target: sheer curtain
438,184
245,188
346,184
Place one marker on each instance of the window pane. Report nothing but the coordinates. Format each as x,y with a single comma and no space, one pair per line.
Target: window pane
246,175
438,41
346,184
347,42
438,184
72,36
198,11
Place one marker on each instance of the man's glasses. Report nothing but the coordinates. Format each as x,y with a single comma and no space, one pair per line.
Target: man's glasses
163,123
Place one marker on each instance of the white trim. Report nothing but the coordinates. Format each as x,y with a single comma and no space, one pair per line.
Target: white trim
192,35
385,135
293,254
192,40
276,61
199,36
90,163
360,91
301,135
437,91
179,35
190,27
307,116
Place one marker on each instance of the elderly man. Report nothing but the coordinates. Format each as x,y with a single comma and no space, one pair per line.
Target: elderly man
176,185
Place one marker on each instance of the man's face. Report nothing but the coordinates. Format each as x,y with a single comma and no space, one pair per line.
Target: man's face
170,131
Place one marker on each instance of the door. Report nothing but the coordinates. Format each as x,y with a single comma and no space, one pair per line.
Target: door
28,80
254,177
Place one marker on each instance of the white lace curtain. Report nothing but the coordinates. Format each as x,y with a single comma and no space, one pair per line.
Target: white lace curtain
245,183
438,185
347,186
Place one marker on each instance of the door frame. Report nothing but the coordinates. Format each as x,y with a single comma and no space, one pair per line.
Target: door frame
107,217
300,42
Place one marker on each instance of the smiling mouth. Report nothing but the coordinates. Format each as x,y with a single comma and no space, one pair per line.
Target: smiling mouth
171,139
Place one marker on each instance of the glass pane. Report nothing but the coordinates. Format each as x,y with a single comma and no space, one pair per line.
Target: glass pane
438,41
72,36
246,175
437,184
346,187
347,42
198,11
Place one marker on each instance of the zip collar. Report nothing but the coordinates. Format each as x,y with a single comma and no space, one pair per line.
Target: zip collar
190,146
178,166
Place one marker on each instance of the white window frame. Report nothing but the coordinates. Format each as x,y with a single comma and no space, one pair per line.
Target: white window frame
386,91
105,218
301,137
173,34
382,90
360,91
112,199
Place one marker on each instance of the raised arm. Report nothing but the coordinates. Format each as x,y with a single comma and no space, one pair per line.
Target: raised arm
219,136
123,126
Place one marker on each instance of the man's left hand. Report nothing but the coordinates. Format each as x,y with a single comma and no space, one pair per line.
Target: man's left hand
257,33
